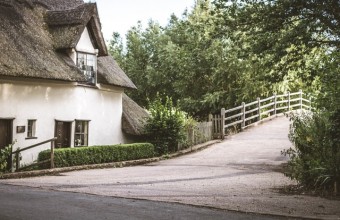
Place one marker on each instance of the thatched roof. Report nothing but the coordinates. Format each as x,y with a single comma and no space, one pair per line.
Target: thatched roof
134,117
107,65
30,34
59,4
67,26
27,48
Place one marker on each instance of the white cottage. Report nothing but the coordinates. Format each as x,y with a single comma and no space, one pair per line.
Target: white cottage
56,78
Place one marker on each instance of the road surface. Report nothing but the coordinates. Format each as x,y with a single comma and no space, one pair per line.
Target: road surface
242,173
21,203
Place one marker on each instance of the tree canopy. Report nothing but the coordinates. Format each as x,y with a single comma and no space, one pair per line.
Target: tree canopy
221,53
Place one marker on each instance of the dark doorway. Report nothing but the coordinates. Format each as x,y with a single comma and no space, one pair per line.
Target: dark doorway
5,132
63,134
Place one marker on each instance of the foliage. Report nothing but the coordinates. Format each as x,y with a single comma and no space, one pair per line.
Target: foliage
185,61
116,47
98,154
329,95
285,34
315,160
319,165
225,52
165,127
5,154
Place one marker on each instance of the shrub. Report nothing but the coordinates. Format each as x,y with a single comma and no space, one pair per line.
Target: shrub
5,154
315,160
98,154
165,127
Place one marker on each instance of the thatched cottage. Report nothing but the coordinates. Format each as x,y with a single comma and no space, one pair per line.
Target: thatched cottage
57,79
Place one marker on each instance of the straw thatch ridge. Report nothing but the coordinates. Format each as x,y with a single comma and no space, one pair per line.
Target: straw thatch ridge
59,4
29,36
134,117
67,26
106,66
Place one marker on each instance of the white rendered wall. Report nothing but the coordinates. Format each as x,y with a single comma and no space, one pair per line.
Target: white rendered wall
84,45
47,102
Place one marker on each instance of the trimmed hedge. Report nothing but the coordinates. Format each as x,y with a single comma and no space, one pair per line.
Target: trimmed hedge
66,157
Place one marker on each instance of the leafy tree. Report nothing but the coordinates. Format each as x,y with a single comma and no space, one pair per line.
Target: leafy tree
221,54
286,34
182,60
116,48
165,127
136,64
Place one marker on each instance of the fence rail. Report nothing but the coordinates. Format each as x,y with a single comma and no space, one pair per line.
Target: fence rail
16,155
249,113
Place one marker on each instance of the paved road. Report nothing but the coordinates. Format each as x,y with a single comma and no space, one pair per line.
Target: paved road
21,203
241,174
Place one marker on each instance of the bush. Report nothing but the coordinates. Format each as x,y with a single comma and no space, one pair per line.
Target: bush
315,160
98,154
165,127
5,158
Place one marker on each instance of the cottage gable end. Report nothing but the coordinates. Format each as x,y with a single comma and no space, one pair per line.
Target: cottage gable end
67,27
84,56
85,43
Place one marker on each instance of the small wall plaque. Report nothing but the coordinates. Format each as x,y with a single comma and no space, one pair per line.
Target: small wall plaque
20,129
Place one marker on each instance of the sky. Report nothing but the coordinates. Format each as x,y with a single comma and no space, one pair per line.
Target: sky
121,15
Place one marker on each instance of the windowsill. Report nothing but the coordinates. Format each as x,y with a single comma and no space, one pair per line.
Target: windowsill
94,86
27,138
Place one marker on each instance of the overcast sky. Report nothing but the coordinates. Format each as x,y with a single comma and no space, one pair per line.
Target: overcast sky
120,15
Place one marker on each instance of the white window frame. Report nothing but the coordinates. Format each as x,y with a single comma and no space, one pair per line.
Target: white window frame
85,67
81,136
31,128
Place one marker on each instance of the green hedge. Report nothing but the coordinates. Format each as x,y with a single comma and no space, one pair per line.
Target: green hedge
66,157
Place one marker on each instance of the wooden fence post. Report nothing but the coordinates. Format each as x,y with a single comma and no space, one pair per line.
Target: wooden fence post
258,109
243,111
300,96
275,100
17,161
288,101
12,159
52,154
222,123
210,119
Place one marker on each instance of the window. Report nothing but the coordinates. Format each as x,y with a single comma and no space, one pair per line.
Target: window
87,63
31,128
81,133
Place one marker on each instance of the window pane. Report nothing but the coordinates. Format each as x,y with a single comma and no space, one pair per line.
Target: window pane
81,133
31,128
78,140
79,127
88,64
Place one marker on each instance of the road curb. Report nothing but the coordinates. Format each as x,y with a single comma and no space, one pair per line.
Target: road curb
121,164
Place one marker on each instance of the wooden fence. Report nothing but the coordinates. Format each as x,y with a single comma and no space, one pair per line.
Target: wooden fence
201,132
16,156
245,115
249,113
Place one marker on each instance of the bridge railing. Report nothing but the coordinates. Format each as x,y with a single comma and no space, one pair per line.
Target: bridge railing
249,113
